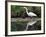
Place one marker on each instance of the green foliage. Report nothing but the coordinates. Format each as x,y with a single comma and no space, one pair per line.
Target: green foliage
19,10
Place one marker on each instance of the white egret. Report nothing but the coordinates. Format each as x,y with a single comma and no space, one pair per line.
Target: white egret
30,13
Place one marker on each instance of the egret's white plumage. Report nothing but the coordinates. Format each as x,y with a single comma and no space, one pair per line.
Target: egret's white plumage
30,13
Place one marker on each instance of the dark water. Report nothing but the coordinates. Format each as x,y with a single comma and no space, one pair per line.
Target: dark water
36,26
21,26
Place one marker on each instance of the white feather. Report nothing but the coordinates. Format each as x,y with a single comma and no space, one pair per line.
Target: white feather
30,13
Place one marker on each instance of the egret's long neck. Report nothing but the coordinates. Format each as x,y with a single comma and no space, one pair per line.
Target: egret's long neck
26,10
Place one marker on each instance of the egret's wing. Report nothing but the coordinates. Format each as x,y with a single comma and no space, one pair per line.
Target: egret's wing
32,14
